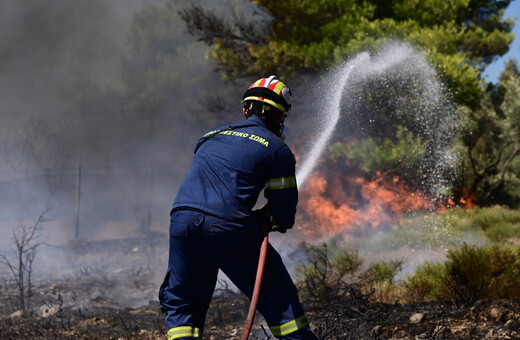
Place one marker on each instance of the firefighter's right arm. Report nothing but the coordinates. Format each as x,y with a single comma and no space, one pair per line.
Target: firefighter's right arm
281,190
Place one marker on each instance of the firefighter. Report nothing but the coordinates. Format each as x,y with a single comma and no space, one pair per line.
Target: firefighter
213,225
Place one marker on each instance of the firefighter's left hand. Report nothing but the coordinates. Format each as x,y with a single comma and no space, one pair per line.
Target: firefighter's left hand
278,229
264,215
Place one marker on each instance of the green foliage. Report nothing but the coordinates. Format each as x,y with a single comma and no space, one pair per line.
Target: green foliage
496,223
300,36
459,38
380,272
491,135
504,263
346,263
397,157
426,283
469,274
473,273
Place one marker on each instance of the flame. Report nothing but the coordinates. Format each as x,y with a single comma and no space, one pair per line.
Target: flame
469,201
322,210
347,203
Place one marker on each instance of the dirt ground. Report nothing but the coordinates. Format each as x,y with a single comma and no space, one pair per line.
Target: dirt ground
488,319
92,301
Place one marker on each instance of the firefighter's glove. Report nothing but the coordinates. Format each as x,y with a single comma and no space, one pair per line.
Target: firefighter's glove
264,215
278,229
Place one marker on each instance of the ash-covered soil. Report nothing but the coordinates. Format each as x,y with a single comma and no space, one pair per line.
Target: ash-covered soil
489,319
108,290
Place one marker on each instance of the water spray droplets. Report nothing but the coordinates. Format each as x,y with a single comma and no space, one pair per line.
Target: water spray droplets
396,86
330,114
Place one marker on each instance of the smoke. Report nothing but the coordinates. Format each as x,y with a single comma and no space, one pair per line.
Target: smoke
119,90
80,88
66,75
55,56
47,44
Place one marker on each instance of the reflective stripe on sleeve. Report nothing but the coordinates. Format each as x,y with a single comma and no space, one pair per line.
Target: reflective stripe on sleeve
281,183
289,327
183,331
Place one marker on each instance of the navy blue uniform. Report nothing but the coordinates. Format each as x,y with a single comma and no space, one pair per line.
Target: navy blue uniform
213,227
230,170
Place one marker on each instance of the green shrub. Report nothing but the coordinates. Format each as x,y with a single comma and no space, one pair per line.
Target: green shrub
383,271
502,232
426,283
379,279
497,223
505,271
469,274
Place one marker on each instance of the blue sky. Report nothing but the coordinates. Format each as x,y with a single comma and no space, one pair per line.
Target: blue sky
493,70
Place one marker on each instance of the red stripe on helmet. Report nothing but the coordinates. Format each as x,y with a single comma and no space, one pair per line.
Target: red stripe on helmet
262,83
273,85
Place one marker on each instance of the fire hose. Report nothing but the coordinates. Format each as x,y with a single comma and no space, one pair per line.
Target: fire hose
258,283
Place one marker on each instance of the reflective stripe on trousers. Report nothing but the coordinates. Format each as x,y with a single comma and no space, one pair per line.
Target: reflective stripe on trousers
183,331
289,327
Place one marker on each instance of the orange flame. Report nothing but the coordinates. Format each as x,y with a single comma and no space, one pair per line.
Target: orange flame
341,205
469,201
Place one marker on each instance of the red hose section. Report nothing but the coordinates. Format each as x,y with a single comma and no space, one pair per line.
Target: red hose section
258,285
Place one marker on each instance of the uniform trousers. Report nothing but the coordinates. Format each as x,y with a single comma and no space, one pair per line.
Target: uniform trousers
200,245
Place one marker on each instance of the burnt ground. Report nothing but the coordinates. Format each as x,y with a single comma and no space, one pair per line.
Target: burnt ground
111,296
489,319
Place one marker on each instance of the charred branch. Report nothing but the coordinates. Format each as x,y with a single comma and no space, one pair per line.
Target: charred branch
25,241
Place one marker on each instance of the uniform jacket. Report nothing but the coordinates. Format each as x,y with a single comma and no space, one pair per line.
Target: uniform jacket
230,169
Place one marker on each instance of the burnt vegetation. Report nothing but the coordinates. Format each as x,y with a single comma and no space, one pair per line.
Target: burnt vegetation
26,241
345,298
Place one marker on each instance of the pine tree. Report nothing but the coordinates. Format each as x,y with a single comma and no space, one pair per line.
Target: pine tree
292,37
